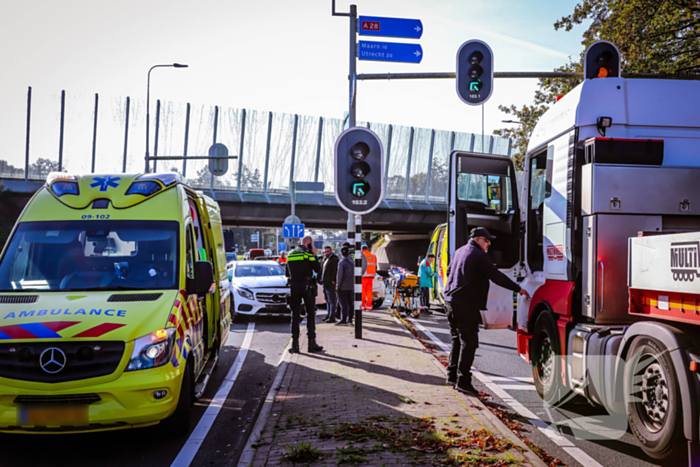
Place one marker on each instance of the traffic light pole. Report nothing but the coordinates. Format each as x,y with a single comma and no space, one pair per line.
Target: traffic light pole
358,276
518,74
355,220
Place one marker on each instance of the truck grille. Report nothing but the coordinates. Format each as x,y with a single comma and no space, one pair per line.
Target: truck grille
83,360
267,297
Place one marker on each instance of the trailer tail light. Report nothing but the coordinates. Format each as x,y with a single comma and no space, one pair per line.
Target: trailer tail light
693,366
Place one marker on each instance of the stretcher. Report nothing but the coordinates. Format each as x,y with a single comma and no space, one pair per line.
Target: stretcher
406,291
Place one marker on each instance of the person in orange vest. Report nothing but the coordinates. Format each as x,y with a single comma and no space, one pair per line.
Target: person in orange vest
369,270
283,258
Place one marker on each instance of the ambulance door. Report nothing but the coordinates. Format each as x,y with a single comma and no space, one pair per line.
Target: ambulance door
483,193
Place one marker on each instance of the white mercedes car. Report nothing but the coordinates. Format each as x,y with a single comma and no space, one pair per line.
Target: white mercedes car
258,288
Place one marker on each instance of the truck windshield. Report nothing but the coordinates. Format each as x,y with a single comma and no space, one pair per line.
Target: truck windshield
91,255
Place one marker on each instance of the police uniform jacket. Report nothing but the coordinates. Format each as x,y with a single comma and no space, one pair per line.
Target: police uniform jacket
301,264
468,277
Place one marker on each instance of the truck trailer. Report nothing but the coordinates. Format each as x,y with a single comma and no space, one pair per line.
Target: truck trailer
605,237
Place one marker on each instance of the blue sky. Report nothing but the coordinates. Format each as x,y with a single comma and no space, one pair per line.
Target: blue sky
280,55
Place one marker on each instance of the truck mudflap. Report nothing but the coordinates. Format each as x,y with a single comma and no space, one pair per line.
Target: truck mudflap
523,344
682,349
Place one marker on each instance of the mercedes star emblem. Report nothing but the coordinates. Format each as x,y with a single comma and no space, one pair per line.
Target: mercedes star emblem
52,360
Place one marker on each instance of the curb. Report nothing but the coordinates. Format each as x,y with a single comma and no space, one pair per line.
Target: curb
248,454
529,455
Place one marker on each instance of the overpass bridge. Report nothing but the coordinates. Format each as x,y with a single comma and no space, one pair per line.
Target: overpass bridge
273,150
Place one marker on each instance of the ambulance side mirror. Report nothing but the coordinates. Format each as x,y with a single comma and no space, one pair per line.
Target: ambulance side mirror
203,281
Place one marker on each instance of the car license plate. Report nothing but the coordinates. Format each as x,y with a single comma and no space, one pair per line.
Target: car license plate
53,415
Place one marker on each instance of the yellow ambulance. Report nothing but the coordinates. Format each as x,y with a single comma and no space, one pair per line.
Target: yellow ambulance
113,304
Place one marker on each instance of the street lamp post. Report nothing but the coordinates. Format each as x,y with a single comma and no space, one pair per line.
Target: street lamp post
148,105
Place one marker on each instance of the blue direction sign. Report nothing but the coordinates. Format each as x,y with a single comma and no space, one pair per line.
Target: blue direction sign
293,230
389,52
389,27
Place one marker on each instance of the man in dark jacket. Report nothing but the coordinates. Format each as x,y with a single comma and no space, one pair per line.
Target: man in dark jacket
301,265
329,273
346,287
466,294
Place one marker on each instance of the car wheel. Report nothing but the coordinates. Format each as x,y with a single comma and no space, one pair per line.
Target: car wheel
652,398
377,303
179,422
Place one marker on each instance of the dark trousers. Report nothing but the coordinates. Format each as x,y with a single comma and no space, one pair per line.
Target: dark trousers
347,305
300,291
464,329
331,301
424,298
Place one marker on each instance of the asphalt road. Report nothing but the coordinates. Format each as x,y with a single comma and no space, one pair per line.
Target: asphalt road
221,444
579,434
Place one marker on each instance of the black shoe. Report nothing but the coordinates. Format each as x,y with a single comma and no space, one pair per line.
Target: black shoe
469,390
341,323
325,320
294,348
314,347
331,321
451,381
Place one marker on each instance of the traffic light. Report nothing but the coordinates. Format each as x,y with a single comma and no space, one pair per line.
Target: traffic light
602,60
474,72
359,170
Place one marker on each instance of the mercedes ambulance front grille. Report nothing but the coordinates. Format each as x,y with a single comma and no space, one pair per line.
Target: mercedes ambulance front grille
18,298
271,297
68,399
68,361
135,297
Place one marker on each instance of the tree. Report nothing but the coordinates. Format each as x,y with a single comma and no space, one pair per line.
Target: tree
653,37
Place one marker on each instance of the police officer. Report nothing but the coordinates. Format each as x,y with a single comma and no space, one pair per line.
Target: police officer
301,264
466,294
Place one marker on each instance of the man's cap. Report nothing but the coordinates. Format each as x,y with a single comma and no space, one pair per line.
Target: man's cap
482,232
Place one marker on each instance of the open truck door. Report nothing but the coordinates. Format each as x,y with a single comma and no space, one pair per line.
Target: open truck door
483,193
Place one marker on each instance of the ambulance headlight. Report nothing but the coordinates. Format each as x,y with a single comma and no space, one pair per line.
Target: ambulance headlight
152,350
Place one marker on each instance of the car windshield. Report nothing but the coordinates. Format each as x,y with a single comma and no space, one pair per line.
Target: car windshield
258,270
231,257
91,255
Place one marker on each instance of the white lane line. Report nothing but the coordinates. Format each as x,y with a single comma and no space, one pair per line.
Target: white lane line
189,450
578,455
518,387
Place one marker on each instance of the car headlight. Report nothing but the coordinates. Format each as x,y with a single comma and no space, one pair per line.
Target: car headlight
152,350
245,293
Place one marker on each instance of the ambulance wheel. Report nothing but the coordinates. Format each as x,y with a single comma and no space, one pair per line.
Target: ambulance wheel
377,303
652,398
546,359
179,422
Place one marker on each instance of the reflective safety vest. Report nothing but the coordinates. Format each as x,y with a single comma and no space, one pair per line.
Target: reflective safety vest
371,263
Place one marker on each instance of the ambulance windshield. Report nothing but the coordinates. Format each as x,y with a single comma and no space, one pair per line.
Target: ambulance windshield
91,255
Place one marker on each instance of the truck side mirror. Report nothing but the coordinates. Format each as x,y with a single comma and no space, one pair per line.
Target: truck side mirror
203,279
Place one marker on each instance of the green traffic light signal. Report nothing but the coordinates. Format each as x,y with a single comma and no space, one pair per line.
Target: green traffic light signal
360,189
475,86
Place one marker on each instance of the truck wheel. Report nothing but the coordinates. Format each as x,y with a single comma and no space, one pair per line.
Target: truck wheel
652,398
546,359
179,422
